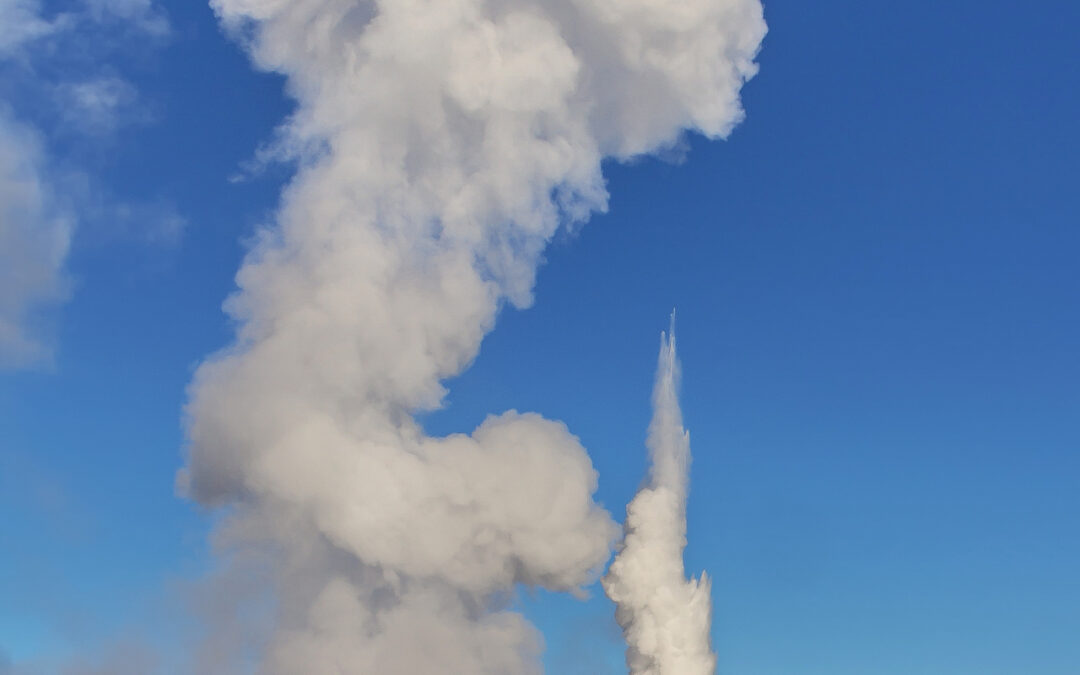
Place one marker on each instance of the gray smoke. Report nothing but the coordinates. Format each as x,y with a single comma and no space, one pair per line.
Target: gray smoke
441,143
664,616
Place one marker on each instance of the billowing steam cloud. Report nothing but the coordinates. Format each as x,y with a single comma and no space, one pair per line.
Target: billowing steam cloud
664,616
441,144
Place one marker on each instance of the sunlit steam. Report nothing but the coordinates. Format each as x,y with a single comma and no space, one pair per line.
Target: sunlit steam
664,616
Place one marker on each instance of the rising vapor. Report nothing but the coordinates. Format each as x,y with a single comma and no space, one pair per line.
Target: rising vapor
665,617
441,143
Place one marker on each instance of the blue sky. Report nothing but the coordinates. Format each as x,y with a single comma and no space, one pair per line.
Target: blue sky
876,284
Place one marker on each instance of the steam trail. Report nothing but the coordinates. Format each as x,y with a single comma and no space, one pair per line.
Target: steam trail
665,617
441,144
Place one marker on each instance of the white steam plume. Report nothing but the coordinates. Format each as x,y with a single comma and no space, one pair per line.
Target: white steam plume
442,143
665,617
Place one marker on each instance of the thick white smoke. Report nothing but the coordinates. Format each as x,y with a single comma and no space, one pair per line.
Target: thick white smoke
664,616
441,144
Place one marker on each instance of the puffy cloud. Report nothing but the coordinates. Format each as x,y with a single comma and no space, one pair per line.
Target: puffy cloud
35,235
143,15
37,218
99,105
20,24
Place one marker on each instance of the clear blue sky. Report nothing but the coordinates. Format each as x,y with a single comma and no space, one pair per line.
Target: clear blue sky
877,283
